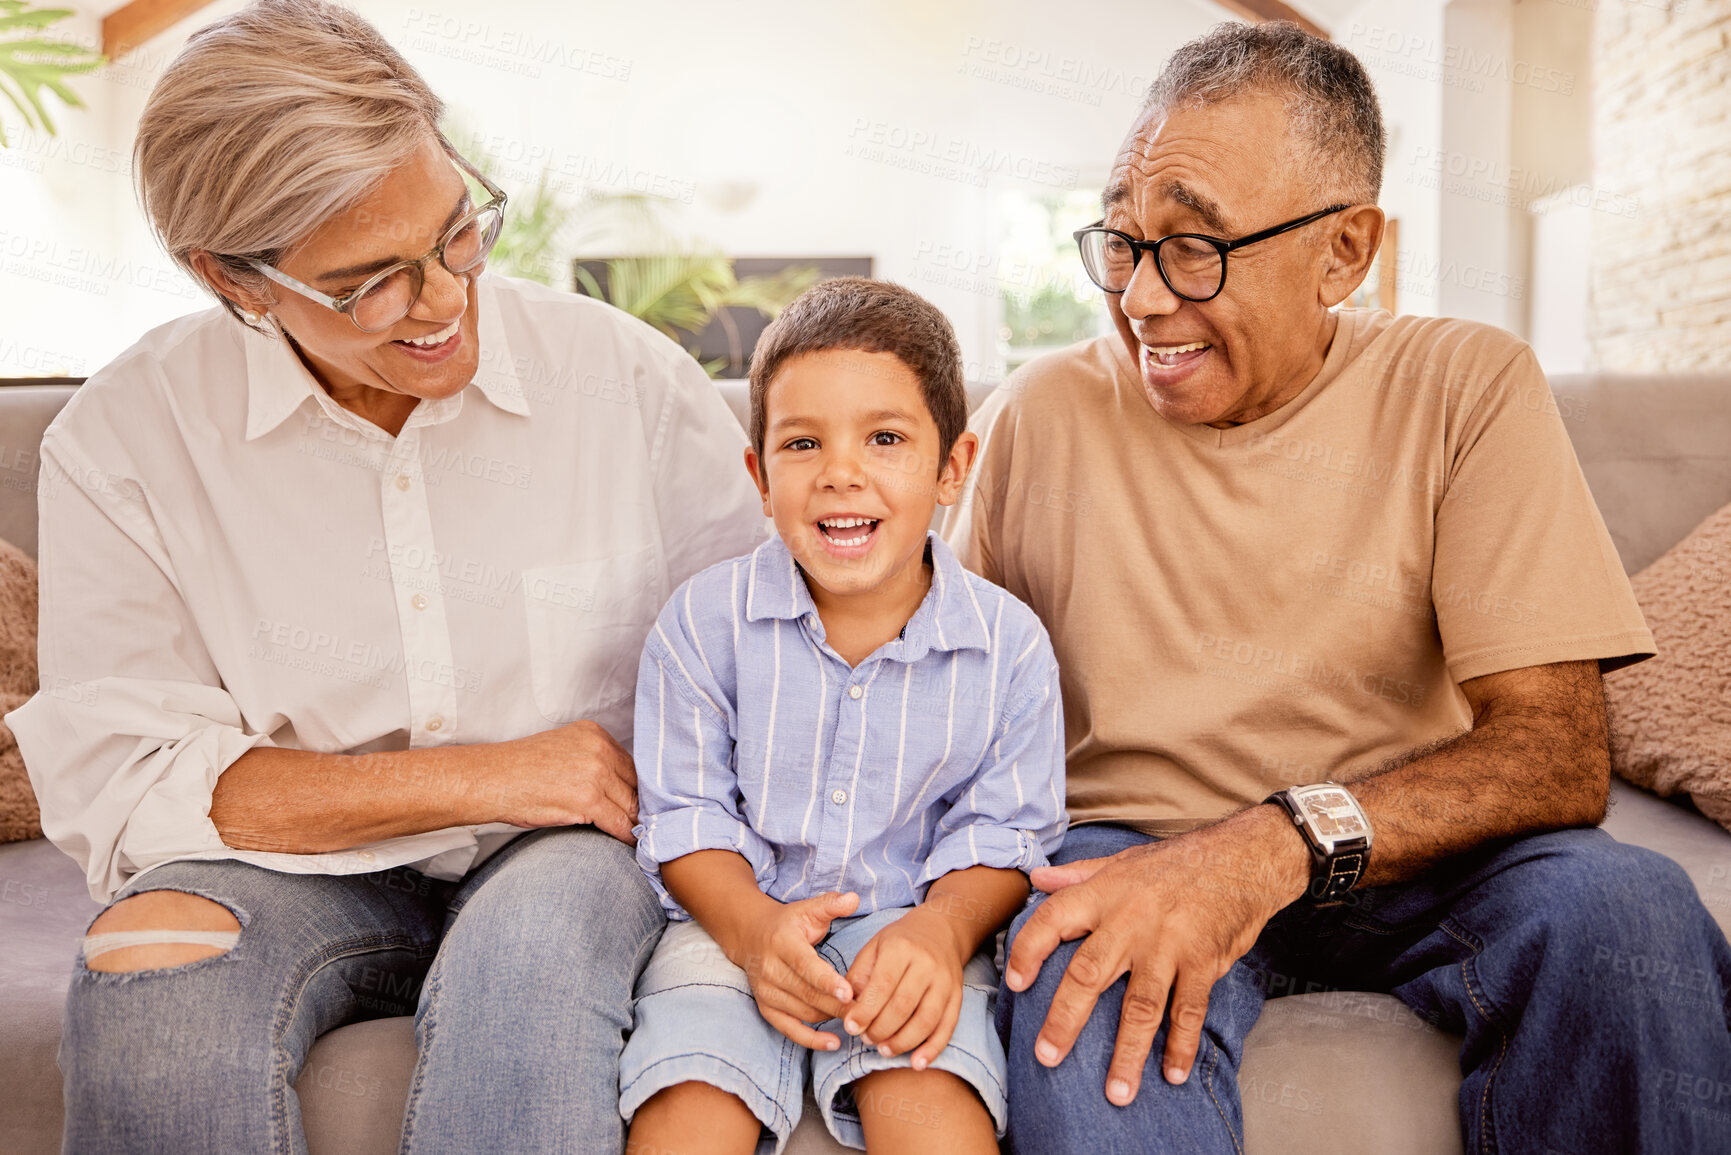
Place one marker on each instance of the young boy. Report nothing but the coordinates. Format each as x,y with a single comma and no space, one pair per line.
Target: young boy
850,753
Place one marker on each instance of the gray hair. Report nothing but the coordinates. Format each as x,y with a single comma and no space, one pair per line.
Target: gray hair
1328,95
269,123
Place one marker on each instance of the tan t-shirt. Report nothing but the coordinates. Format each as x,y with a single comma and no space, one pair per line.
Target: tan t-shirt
1283,602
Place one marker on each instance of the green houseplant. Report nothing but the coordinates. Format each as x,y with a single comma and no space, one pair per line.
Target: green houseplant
681,292
31,63
677,287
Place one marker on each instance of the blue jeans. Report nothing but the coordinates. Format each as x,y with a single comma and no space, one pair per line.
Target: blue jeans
519,977
1587,978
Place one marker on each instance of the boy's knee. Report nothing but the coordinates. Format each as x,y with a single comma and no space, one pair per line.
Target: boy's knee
157,929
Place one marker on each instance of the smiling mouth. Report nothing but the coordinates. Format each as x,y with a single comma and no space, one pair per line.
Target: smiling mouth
846,531
1170,356
432,340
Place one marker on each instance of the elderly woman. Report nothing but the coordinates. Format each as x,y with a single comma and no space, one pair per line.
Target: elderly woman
344,585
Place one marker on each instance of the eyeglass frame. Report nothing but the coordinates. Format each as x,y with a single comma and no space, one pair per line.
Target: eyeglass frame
345,304
1223,247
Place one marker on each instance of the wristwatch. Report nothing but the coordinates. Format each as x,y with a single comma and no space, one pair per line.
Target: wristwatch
1335,828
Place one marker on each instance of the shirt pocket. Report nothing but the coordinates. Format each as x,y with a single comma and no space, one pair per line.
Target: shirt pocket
587,621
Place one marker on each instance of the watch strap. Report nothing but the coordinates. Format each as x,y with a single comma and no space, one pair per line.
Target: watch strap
1285,800
1332,875
1337,874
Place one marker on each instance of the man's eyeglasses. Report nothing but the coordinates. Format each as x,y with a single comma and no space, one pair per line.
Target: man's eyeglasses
388,295
1192,265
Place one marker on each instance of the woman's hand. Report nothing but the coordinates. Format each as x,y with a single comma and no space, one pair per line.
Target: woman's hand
572,775
302,802
910,981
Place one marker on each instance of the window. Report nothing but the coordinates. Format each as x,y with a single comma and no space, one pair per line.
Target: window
1047,300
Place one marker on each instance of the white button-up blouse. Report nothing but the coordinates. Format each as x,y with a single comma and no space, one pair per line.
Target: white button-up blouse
230,559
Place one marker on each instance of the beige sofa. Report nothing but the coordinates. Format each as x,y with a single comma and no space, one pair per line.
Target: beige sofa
1339,1073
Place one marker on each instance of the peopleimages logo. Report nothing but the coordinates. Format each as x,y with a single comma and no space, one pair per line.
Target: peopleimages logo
1494,181
330,655
39,146
1047,73
86,270
1427,58
936,153
518,50
579,174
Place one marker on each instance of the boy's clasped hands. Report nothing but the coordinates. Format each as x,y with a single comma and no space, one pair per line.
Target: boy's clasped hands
904,990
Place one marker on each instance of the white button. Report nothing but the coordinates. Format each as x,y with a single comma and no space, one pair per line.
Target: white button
419,601
838,797
854,692
402,481
435,722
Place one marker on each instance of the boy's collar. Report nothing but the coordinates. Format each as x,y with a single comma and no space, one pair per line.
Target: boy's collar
949,618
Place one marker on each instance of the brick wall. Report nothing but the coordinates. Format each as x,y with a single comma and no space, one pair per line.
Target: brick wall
1660,298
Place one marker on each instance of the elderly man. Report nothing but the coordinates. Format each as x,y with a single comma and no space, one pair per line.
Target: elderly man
1300,544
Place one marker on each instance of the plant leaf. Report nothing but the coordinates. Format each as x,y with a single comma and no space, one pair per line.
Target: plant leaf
671,291
31,64
25,112
591,287
17,15
770,293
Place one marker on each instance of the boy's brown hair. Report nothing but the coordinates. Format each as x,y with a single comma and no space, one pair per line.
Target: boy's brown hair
869,317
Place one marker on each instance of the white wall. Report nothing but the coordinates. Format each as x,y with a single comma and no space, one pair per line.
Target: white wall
1562,273
1396,41
81,276
883,128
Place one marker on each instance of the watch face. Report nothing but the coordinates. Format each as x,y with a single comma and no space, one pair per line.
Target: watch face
1333,814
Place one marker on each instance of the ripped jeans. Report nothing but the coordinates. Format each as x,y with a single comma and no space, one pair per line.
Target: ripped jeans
519,977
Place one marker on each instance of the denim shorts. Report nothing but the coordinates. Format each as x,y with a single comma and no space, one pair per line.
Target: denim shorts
696,1021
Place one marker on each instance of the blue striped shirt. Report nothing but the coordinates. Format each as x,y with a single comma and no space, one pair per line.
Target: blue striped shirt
943,749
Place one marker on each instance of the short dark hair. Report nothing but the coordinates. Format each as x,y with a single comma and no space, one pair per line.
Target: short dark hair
867,316
1328,94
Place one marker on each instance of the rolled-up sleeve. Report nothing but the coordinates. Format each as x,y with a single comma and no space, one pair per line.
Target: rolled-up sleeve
1011,814
687,791
130,728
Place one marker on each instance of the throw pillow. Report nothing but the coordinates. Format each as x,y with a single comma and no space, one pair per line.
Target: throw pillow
19,818
1670,716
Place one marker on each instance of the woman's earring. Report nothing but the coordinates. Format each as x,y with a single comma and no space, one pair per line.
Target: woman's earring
252,318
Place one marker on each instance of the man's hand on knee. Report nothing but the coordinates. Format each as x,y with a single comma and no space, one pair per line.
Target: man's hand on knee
1173,916
156,929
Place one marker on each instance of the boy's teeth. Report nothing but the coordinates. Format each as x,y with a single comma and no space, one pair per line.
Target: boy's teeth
832,528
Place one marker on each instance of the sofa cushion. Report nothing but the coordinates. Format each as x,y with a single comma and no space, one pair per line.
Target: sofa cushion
19,816
1670,717
1700,847
1656,450
25,411
355,1085
44,908
1323,1074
